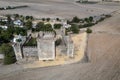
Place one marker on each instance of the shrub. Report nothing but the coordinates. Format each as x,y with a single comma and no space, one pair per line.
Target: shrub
9,55
57,42
75,19
75,29
28,25
48,19
57,19
48,27
31,42
39,26
90,18
86,25
18,40
108,15
87,20
43,19
89,30
57,26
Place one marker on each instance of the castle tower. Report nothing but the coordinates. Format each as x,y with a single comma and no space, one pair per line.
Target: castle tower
46,46
18,51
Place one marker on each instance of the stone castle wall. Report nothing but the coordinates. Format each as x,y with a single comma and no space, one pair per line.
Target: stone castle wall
30,52
17,50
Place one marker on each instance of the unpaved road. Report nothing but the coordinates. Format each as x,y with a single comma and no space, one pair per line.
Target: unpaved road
104,53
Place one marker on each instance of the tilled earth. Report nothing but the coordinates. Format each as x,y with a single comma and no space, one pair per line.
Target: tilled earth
57,8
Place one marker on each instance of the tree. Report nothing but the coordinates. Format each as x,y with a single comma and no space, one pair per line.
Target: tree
9,20
87,20
57,19
31,17
18,30
39,26
27,17
5,36
19,40
16,16
75,29
48,27
21,17
89,30
57,42
90,18
68,22
57,26
43,19
31,42
9,55
28,25
75,19
48,19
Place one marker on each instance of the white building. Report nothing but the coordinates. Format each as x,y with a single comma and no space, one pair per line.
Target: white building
3,27
1,56
18,23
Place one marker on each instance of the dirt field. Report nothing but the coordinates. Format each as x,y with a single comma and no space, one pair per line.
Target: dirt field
57,8
103,51
104,54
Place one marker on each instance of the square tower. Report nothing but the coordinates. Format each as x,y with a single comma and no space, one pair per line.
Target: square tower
46,46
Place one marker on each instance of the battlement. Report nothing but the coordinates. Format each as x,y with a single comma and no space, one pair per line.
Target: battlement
29,46
46,35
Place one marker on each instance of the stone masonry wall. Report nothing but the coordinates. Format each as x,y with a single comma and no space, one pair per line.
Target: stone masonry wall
30,52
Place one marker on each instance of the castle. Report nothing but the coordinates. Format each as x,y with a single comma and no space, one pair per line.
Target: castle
46,45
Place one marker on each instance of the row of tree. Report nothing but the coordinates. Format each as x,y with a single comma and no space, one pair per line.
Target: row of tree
77,20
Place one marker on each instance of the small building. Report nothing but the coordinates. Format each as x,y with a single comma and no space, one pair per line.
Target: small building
4,27
1,56
3,18
18,23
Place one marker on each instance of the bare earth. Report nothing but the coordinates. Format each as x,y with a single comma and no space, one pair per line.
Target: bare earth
103,51
104,54
57,8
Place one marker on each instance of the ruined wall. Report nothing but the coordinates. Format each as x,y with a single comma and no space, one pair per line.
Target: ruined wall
70,49
69,45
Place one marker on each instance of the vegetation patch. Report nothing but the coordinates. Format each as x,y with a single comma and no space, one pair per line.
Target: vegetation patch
31,42
9,55
57,26
89,30
12,7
